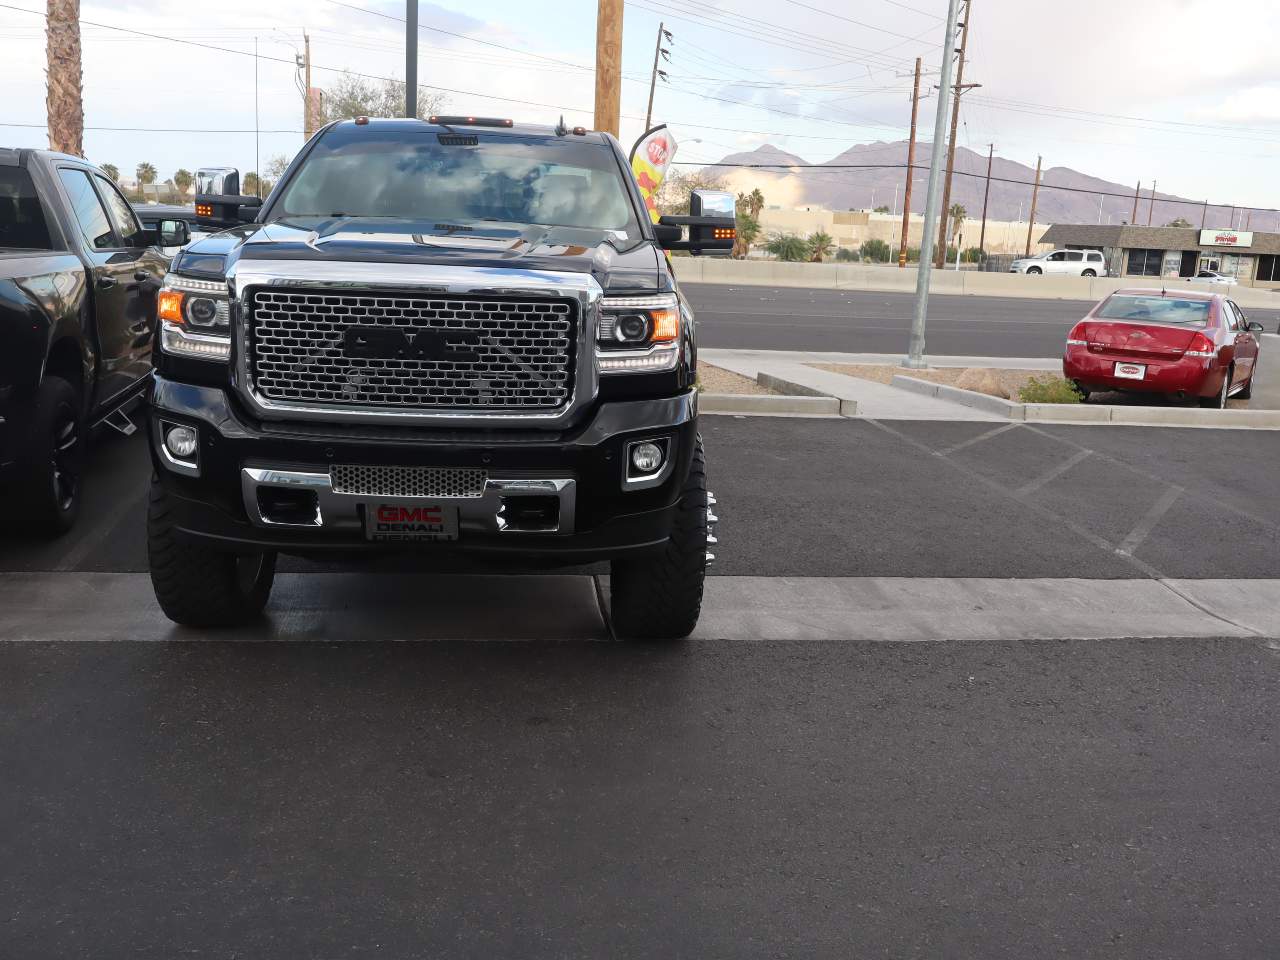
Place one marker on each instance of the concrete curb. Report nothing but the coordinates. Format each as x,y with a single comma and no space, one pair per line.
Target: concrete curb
1095,413
966,398
846,408
744,404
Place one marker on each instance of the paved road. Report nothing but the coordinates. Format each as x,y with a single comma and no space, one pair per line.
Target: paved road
716,798
848,321
909,499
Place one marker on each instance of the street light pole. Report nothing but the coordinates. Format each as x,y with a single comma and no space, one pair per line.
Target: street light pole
915,355
411,58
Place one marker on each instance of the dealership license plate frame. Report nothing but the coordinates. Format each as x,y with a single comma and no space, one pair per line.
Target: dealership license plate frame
427,522
1140,368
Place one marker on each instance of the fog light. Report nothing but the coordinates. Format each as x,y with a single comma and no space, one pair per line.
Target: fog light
646,457
181,442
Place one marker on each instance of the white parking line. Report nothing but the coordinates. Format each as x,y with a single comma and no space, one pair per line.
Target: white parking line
1034,485
1144,526
980,438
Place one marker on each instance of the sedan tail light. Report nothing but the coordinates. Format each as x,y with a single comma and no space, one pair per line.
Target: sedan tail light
1200,346
1076,337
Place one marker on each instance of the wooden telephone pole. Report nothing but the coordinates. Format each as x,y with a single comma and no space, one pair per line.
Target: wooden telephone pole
1136,190
608,66
986,195
658,52
1151,209
1035,196
960,88
911,169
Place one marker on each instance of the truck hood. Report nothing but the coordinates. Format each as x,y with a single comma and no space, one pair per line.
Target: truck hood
484,244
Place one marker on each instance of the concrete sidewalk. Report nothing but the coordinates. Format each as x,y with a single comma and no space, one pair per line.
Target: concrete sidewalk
875,400
349,607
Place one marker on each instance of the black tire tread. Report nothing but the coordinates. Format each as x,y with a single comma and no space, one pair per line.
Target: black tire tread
41,513
196,586
659,596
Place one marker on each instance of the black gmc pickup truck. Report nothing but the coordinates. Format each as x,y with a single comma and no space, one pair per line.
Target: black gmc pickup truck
433,338
78,282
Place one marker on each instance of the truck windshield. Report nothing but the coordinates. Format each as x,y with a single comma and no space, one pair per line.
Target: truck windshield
22,222
407,173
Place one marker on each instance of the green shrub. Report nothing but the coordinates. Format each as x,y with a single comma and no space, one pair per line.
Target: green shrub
845,254
1049,389
973,255
876,251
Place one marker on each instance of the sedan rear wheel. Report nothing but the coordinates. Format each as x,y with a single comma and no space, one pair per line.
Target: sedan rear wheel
1219,402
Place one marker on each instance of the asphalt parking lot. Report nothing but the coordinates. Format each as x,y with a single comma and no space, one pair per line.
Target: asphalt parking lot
906,499
712,798
858,321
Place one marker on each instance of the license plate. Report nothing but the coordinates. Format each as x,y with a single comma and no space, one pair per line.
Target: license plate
1131,371
397,523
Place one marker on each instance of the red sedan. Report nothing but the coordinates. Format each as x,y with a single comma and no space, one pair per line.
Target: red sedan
1181,344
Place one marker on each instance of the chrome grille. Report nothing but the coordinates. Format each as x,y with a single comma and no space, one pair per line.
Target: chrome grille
516,354
407,481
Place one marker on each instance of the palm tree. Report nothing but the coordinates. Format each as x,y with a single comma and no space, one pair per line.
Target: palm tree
958,213
748,231
820,245
755,203
63,97
112,171
182,179
146,173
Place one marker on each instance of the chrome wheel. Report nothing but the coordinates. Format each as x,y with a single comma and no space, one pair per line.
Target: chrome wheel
65,474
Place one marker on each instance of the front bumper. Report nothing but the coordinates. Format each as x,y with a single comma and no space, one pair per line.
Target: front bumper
591,512
1193,376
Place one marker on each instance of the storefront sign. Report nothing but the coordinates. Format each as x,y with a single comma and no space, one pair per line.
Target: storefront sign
1226,238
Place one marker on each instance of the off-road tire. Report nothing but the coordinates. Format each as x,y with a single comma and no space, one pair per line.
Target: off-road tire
197,586
49,476
658,596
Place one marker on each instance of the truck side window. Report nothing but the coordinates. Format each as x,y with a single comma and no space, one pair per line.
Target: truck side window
122,214
22,222
88,209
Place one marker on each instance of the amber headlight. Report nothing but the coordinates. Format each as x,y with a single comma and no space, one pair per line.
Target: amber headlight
638,334
195,318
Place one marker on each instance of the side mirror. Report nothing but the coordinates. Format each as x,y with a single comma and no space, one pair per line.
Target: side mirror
172,233
712,223
1256,327
248,212
219,201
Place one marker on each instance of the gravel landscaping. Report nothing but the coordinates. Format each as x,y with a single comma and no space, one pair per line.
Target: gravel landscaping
717,380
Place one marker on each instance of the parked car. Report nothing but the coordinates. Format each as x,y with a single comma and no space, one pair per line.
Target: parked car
78,282
1071,263
454,336
1212,276
1153,341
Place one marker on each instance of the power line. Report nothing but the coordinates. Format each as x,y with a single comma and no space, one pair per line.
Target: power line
44,126
857,23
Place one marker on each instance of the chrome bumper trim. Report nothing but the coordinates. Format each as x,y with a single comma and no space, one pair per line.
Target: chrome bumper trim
340,512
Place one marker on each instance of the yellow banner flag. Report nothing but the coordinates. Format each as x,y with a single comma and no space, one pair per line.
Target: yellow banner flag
650,158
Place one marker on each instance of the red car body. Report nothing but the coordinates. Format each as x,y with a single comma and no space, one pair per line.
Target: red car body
1182,344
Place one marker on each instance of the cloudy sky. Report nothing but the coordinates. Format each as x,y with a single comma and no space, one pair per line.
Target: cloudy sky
1185,92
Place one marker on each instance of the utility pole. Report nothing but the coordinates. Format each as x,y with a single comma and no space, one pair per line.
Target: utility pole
308,115
653,80
411,58
1035,196
911,169
960,88
915,355
257,152
1151,209
608,65
1136,190
1204,214
986,195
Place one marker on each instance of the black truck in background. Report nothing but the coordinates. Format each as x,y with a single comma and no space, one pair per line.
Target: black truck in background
78,282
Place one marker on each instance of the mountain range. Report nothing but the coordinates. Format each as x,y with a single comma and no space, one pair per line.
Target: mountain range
872,174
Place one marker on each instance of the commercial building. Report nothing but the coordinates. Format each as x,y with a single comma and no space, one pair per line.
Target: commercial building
850,228
1252,257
